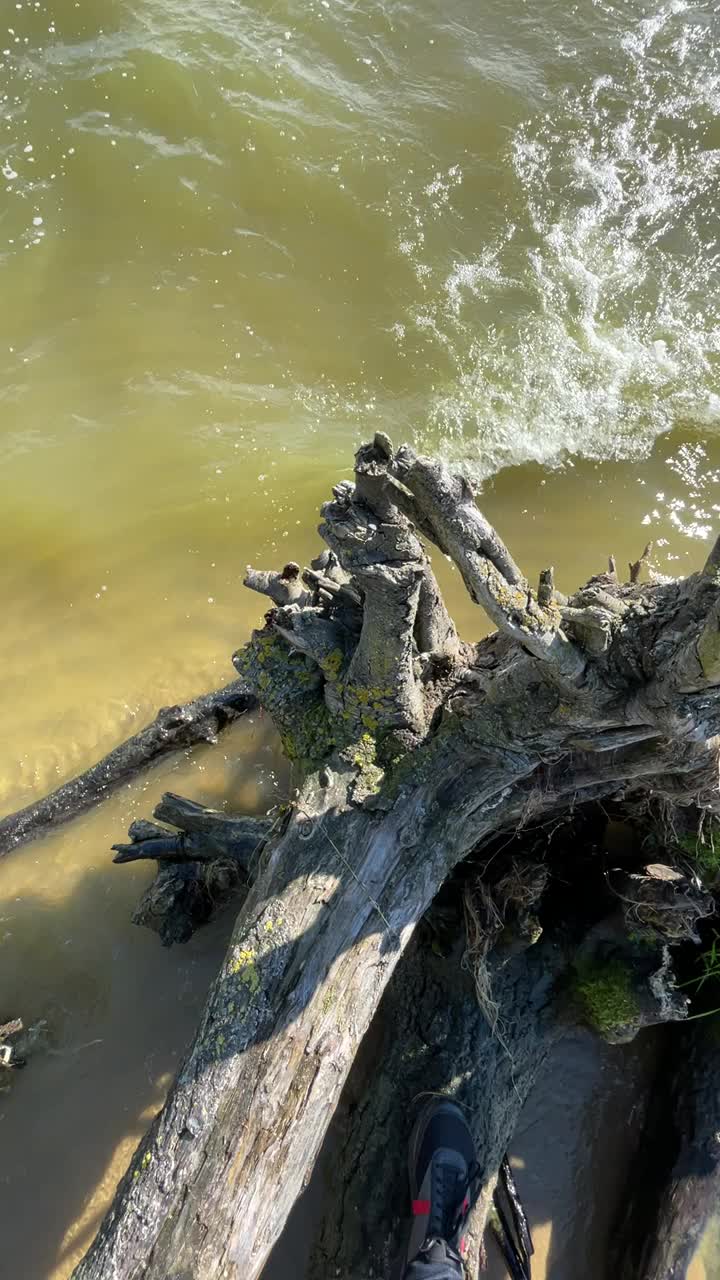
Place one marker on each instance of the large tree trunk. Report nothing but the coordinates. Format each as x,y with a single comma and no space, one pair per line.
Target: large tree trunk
432,1038
412,750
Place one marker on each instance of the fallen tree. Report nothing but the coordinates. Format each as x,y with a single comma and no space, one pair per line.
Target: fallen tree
430,1038
412,752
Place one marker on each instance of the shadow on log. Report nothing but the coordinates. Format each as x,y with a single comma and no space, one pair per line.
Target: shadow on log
413,751
674,1189
433,1039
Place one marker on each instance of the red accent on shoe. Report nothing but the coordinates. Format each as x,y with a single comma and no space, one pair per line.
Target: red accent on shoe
419,1207
462,1245
466,1205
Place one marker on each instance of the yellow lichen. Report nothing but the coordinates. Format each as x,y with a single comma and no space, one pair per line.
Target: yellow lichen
328,1000
243,964
332,663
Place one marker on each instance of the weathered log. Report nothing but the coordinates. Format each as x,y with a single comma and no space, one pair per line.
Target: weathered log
315,945
477,1031
409,761
674,1189
173,729
432,1038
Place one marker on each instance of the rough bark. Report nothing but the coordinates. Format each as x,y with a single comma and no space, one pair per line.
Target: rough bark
675,1187
432,1038
410,761
209,1190
200,865
173,729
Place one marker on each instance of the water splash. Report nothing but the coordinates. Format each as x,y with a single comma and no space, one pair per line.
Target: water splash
591,324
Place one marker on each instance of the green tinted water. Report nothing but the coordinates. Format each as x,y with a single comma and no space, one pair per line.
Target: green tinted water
234,240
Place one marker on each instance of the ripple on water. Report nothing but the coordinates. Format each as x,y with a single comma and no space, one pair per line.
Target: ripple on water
591,323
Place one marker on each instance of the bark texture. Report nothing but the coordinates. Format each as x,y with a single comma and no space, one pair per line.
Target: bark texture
412,750
173,729
431,1037
675,1187
200,865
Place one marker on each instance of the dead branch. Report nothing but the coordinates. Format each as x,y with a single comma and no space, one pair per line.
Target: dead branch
173,729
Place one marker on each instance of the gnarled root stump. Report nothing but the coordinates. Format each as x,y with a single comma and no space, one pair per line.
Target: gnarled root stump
200,865
411,751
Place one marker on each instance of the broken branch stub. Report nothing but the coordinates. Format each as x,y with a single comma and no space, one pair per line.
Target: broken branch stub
201,865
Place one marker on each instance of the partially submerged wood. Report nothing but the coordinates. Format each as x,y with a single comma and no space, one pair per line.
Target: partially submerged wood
17,1044
408,758
674,1189
201,864
173,729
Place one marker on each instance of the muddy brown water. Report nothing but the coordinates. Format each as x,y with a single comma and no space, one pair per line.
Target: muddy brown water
235,239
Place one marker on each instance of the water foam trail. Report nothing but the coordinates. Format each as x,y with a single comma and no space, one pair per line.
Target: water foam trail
606,304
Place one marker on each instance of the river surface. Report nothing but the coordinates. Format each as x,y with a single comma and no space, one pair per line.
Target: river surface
236,238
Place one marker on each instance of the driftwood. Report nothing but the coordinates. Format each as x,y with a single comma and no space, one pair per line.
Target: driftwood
199,867
412,752
173,729
674,1189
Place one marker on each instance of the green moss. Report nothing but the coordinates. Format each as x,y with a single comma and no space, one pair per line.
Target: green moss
311,736
422,764
289,687
332,664
605,992
704,851
647,941
390,750
708,650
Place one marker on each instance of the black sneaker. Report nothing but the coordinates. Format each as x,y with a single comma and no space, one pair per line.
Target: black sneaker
443,1177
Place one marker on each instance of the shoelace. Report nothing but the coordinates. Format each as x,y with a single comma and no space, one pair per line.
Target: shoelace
466,1200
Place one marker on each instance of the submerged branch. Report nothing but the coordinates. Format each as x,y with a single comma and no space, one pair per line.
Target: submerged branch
173,729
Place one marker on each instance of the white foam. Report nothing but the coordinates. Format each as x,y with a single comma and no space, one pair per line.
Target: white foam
607,312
